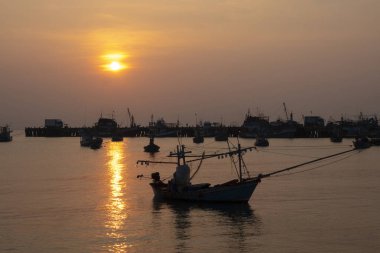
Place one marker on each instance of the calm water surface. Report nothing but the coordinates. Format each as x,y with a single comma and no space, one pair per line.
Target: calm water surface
58,197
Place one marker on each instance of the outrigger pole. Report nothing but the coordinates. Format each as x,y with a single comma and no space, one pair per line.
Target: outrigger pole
305,163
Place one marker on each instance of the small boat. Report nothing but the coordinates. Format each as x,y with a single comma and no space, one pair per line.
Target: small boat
336,138
151,147
5,134
221,135
362,143
96,143
198,136
375,141
198,139
117,137
85,139
261,142
336,134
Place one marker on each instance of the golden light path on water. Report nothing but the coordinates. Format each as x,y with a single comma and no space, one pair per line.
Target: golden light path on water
116,206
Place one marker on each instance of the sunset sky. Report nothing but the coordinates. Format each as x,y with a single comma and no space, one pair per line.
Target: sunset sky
76,60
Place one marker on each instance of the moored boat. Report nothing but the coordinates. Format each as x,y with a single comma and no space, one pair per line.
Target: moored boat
254,126
85,138
361,143
375,141
181,188
116,137
105,127
5,134
261,142
96,143
221,134
198,135
336,138
151,147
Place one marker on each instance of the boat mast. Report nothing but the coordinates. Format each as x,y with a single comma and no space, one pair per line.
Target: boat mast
181,154
178,156
239,156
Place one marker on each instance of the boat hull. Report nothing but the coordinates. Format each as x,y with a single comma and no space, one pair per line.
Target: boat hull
238,192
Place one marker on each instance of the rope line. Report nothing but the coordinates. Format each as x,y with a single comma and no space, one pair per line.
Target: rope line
317,167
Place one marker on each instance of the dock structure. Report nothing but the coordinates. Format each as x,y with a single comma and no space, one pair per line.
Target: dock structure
52,132
252,127
123,131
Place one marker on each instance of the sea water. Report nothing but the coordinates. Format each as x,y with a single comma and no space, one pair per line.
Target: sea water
56,196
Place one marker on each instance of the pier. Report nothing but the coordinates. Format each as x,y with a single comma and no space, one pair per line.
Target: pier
252,127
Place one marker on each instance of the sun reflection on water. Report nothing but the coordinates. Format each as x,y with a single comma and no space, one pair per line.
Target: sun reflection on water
116,206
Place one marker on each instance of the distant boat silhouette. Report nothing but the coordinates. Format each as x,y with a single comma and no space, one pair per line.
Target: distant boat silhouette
198,135
96,143
261,142
5,134
151,147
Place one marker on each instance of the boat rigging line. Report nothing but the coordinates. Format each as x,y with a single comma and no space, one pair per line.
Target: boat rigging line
305,163
199,166
317,167
296,147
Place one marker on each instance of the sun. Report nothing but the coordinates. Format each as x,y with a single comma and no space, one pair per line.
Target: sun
116,66
114,62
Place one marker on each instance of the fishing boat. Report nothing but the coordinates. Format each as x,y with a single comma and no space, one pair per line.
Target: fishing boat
151,147
5,134
375,141
240,189
221,134
336,138
261,142
85,138
96,143
362,143
198,135
117,137
181,188
254,126
105,127
336,133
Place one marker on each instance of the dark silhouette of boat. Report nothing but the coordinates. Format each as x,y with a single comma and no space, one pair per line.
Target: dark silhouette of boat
198,135
105,127
336,138
85,138
375,141
96,143
151,147
221,134
254,126
5,134
362,143
117,136
180,188
261,142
